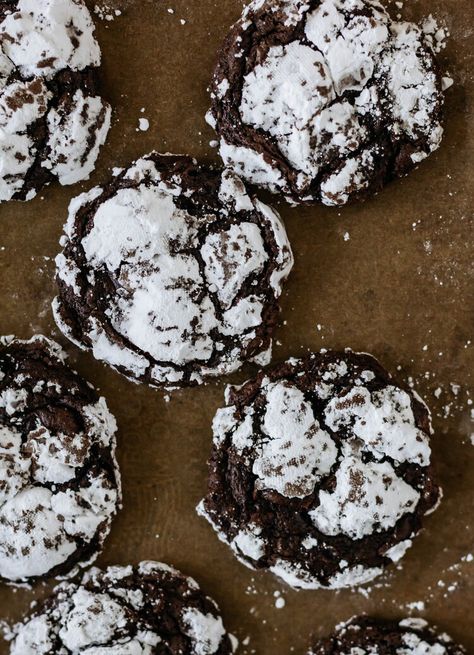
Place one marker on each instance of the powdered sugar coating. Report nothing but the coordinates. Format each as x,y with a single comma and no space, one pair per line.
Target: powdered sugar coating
325,100
52,124
367,497
125,611
384,421
320,470
196,265
365,636
69,129
205,630
294,452
42,37
60,486
297,576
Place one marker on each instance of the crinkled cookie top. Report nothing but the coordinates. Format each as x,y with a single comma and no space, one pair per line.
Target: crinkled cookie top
52,122
150,608
366,636
171,272
325,100
59,481
320,470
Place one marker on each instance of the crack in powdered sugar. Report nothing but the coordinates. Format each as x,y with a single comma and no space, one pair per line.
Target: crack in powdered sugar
365,635
340,92
47,51
190,292
125,611
338,456
59,486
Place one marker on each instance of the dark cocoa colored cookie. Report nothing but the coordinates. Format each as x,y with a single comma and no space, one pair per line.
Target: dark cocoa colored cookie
325,100
59,480
171,272
144,610
364,635
320,470
52,121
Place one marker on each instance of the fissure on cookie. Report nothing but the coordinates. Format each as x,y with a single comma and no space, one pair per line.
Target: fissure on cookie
325,100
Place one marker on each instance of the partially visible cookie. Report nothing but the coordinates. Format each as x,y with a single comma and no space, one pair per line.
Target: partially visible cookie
59,480
325,100
367,636
171,272
321,470
144,610
52,120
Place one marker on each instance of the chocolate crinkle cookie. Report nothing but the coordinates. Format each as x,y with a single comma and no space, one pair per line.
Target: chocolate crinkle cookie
52,122
320,470
59,480
171,272
144,610
368,636
325,100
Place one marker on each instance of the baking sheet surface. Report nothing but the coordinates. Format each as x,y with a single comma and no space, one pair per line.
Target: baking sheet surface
393,276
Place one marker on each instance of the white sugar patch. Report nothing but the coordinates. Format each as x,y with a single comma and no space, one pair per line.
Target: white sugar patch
385,422
298,452
368,497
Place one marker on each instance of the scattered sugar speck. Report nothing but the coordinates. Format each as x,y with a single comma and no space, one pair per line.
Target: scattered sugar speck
104,12
280,603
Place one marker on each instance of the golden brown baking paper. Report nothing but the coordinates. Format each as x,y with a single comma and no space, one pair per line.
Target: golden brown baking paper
400,287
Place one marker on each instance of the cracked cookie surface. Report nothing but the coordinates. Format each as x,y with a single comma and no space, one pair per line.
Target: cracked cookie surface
171,272
52,120
325,100
320,470
59,480
144,610
365,635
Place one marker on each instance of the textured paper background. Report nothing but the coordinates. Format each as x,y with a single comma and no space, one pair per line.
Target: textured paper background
401,287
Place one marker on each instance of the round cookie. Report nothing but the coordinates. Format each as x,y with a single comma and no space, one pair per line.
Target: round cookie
365,635
325,100
171,272
144,610
59,480
52,121
320,470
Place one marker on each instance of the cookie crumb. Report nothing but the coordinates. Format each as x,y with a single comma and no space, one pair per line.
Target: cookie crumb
435,34
446,83
104,12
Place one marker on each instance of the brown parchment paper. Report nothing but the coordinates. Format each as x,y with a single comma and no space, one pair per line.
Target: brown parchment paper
393,276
